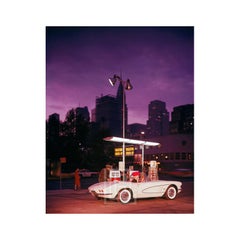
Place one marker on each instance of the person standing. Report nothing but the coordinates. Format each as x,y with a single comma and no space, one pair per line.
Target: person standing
77,185
104,173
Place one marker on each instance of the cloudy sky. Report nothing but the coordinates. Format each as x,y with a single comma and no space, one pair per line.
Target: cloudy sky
159,61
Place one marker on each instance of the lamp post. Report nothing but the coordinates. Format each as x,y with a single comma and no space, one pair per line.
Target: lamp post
126,86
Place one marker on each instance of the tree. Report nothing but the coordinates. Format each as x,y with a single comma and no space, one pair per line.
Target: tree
74,134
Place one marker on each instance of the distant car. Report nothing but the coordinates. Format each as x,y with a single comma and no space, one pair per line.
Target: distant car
87,173
125,191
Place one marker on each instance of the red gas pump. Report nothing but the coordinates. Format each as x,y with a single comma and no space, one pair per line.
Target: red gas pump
114,175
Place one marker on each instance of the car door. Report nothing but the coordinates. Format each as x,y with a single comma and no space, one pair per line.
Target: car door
149,189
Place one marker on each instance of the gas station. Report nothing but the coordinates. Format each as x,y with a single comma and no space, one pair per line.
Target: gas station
153,168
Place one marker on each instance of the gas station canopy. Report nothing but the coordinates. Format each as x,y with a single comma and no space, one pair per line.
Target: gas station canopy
131,141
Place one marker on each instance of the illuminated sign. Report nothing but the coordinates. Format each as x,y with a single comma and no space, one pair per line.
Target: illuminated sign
129,151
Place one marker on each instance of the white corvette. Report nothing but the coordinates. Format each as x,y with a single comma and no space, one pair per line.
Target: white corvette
125,191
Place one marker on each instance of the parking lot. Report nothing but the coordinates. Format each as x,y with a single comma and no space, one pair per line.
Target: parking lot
70,201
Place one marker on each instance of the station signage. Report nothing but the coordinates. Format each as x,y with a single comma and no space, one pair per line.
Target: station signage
129,151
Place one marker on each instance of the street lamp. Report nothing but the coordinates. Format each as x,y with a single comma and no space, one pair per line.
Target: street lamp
126,86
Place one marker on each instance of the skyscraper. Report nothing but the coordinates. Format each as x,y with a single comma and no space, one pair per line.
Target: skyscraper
82,113
158,119
182,119
109,112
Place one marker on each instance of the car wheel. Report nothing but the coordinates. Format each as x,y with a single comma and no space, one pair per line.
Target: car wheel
125,196
171,193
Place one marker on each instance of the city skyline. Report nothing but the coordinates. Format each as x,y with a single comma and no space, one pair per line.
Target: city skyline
128,123
159,61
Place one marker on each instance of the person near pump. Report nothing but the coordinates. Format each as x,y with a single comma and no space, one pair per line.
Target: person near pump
104,174
77,184
142,177
134,177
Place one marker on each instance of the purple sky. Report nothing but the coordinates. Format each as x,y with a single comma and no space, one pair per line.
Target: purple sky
159,61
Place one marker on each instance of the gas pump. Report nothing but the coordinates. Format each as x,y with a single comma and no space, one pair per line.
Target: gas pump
153,171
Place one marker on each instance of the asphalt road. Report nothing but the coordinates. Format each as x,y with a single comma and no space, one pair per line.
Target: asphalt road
67,200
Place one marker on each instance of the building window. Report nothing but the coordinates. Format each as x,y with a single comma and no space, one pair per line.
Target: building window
177,156
171,156
184,156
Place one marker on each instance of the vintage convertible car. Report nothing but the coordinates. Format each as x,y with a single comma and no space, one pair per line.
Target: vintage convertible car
125,191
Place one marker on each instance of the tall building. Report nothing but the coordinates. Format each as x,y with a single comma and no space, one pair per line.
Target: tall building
158,119
82,119
93,115
53,126
136,131
182,120
109,112
82,113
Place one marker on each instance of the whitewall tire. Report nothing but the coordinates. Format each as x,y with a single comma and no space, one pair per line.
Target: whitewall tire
125,196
